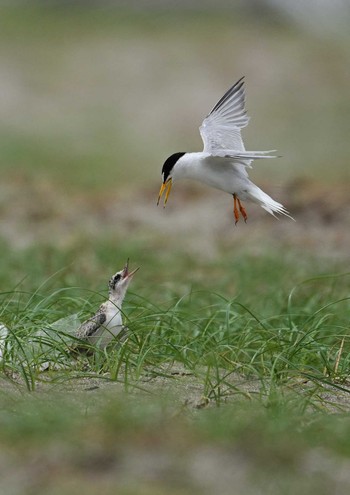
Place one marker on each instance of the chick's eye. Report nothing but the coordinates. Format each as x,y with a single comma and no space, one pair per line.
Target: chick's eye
117,278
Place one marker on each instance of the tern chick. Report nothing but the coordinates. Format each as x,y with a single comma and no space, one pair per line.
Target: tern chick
224,161
107,323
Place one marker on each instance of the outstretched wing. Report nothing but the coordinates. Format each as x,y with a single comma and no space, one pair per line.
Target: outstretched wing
221,129
90,326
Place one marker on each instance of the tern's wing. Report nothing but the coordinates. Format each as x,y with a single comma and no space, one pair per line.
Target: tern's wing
90,326
221,129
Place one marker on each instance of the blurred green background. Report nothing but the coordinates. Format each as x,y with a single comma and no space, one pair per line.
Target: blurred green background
98,96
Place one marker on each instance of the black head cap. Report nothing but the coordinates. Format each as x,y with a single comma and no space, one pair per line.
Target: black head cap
170,162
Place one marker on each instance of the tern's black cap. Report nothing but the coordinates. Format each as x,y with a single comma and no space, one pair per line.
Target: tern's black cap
170,162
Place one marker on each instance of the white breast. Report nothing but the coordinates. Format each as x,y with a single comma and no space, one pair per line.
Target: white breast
220,173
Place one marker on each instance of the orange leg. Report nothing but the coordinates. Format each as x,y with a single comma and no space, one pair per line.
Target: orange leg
242,210
239,209
235,209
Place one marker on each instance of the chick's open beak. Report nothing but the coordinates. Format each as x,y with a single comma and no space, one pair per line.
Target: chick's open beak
166,186
131,274
126,273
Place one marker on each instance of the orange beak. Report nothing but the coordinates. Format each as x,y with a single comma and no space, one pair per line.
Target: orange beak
166,186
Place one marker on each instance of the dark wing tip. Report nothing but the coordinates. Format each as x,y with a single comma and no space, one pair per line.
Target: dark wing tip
233,89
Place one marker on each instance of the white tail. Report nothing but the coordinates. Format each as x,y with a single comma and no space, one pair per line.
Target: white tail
258,196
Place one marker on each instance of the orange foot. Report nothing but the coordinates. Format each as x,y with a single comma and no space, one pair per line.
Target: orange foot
241,209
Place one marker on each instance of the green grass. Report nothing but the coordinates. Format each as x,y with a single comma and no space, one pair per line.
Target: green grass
271,377
299,332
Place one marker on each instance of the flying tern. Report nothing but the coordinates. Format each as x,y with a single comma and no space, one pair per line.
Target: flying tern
224,161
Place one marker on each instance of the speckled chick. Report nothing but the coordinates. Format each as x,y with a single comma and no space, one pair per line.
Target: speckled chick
107,323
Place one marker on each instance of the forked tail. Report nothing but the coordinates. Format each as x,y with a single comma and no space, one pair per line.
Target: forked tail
258,196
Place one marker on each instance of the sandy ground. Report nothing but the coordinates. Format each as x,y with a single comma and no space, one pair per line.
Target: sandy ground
166,460
202,218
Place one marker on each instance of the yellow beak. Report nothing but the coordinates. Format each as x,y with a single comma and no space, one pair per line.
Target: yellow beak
166,186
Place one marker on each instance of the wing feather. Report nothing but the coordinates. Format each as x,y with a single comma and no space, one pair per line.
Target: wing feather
221,129
90,326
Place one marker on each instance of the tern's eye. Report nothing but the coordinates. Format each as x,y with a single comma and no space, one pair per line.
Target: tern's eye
117,278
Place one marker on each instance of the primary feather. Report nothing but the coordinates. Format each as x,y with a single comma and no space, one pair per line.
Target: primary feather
221,129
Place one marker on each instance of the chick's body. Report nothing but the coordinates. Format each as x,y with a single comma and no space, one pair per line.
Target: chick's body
107,323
